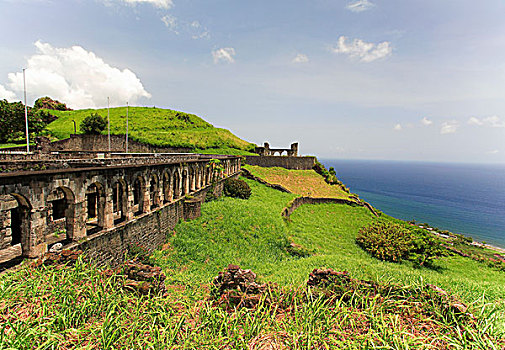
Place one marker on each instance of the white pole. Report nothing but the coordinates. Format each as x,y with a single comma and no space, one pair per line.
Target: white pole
108,120
26,115
126,127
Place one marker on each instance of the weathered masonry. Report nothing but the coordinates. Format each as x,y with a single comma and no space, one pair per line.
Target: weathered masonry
102,205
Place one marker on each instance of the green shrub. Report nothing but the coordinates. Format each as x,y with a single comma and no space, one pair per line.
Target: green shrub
237,188
93,124
385,241
391,241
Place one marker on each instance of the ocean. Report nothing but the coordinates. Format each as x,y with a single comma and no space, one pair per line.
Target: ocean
462,198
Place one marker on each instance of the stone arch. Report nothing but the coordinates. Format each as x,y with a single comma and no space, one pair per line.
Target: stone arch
176,184
167,186
192,179
95,207
154,191
185,182
119,200
139,190
62,213
199,176
17,226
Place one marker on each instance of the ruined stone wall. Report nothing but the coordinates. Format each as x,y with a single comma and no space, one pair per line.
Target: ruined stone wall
296,163
298,202
149,231
100,143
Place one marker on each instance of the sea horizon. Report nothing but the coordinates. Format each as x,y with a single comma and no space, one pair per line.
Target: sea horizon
463,198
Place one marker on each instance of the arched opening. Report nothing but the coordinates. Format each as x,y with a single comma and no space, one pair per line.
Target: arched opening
176,185
15,227
61,215
138,195
167,193
119,201
95,208
185,181
154,191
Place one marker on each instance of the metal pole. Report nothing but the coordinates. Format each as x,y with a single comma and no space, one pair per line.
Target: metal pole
108,120
126,127
26,115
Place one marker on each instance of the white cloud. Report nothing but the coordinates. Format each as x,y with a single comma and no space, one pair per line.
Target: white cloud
494,151
426,121
493,121
365,52
163,4
398,127
170,22
300,58
6,94
449,127
224,54
77,77
194,28
475,121
360,5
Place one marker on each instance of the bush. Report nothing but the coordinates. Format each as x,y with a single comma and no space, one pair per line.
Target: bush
93,124
237,188
385,241
394,242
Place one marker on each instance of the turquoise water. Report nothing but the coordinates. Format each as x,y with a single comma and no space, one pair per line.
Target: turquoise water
461,198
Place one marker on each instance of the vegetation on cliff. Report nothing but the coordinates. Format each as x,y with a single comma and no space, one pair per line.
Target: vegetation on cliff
158,127
301,182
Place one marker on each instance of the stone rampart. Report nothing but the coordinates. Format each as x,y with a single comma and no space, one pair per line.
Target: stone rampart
294,163
298,202
98,143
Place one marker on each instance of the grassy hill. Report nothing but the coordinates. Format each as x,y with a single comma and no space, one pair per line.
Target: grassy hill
301,182
156,126
80,307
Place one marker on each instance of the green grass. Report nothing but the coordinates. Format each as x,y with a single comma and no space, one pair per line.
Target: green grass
80,307
155,126
301,182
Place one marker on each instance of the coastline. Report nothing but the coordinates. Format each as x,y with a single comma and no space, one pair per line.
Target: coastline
465,199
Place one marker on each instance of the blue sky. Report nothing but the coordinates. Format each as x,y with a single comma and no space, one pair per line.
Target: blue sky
370,79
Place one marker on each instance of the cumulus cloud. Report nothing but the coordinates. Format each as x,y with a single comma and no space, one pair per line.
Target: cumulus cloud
426,121
224,54
398,127
449,127
365,52
300,58
493,121
163,4
360,6
77,77
6,94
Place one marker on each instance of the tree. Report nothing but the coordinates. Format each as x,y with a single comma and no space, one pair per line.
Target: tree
93,124
48,103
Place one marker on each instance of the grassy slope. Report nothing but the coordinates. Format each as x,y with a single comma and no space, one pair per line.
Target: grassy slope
80,308
155,126
301,182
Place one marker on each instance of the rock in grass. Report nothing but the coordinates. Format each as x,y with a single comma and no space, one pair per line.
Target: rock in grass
237,287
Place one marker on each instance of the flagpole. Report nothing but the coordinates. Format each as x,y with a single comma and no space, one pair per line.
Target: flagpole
126,127
108,120
26,115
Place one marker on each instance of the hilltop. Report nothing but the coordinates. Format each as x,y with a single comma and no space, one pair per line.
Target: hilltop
158,127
